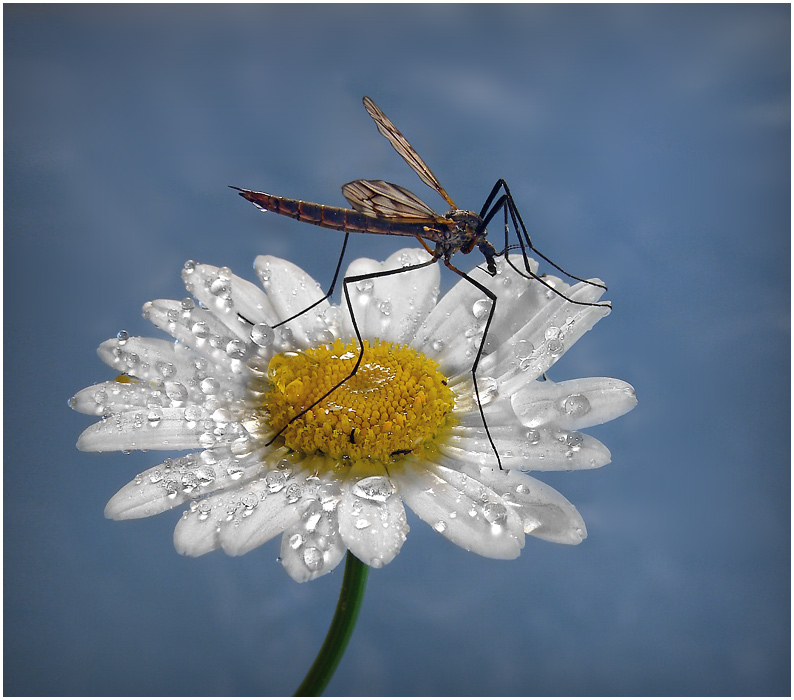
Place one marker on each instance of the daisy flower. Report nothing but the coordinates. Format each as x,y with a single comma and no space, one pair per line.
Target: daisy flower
405,429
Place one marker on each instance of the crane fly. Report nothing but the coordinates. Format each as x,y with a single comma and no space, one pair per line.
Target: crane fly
383,208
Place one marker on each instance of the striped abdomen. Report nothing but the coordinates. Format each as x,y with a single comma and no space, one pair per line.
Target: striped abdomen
340,219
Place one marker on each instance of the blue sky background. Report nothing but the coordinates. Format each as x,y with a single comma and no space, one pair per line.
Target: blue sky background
647,145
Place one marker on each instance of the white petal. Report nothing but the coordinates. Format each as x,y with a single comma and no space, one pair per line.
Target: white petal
229,297
372,523
544,512
201,331
574,404
178,480
542,341
462,509
541,449
452,333
392,307
115,397
290,290
155,429
313,546
267,515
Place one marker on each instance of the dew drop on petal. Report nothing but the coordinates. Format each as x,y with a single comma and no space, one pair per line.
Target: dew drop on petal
533,436
187,304
480,308
262,335
440,526
437,345
200,329
190,265
365,286
275,481
362,523
235,349
574,440
296,541
313,558
575,405
373,488
555,347
495,513
385,307
122,337
209,386
154,417
175,391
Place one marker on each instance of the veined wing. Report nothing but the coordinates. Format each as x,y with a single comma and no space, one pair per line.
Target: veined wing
385,200
405,149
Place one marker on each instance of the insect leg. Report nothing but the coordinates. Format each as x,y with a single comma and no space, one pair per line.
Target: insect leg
330,289
345,282
507,204
474,366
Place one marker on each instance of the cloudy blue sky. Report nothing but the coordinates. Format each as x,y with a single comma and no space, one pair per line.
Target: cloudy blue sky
647,145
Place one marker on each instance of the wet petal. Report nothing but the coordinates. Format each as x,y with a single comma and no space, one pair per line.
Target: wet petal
392,307
574,404
312,547
462,509
155,429
372,520
291,291
453,332
237,302
542,341
544,512
181,479
528,449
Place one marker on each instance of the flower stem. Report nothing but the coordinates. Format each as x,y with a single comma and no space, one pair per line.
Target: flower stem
350,597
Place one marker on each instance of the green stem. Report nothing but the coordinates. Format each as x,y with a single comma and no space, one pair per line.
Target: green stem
350,597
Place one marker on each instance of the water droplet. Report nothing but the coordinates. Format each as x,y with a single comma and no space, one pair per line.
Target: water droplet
187,304
175,391
575,405
296,540
166,369
313,558
190,265
101,397
574,440
221,288
385,307
262,335
293,493
275,481
362,524
495,513
533,436
365,286
209,386
200,329
373,488
488,389
555,347
250,501
480,308
221,415
235,349
552,332
206,439
437,345
123,337
154,417
440,526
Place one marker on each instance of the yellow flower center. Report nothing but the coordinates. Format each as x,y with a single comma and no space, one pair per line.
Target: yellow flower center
397,401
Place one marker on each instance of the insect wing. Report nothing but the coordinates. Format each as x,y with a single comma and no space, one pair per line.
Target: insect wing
385,200
405,149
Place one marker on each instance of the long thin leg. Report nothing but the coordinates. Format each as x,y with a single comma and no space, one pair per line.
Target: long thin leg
474,366
507,199
506,204
345,282
330,289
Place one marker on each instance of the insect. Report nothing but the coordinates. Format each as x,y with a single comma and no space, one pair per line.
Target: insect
380,207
